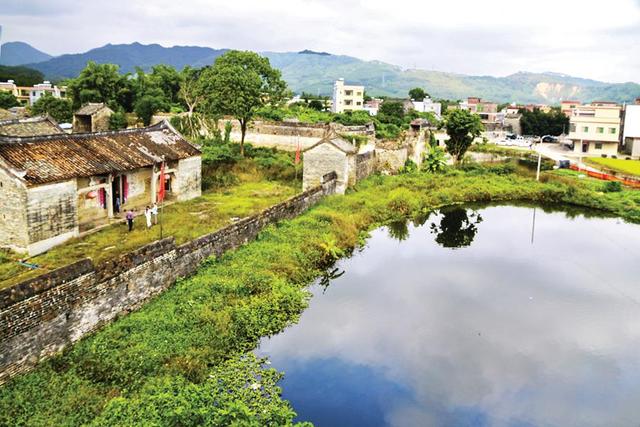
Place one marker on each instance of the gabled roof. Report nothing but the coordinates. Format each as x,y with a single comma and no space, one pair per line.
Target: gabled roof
41,125
91,108
53,158
338,142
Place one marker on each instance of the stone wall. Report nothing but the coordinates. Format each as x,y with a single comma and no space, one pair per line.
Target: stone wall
40,316
391,160
13,218
188,178
323,159
52,215
365,165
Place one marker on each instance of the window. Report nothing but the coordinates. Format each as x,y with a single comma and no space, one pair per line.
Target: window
347,102
572,127
599,130
359,94
598,146
585,129
358,103
348,92
612,130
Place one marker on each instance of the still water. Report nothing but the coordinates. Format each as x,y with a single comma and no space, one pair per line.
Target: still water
473,317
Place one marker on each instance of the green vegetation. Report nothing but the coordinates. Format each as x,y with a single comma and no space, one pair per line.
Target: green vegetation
462,127
184,358
500,150
238,84
418,94
8,100
539,123
22,76
59,109
629,167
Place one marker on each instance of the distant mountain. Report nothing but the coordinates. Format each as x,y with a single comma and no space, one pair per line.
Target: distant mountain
128,56
315,72
19,53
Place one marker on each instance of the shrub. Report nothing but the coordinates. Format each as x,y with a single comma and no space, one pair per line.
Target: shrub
612,187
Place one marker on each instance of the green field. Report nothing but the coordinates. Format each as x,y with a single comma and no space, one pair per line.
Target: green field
629,167
185,358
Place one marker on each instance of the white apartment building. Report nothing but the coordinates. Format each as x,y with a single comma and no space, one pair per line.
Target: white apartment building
427,106
347,97
594,129
631,134
27,95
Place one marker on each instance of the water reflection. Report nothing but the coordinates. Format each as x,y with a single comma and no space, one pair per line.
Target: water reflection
502,333
457,227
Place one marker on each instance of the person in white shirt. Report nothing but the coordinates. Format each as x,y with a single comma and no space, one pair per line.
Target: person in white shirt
147,215
154,212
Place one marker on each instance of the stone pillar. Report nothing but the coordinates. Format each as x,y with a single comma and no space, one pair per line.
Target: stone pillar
109,196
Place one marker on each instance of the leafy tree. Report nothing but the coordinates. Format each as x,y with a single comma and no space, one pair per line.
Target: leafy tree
457,228
98,83
537,122
191,90
434,160
391,112
59,109
148,105
118,120
239,83
316,104
168,80
8,100
462,127
418,94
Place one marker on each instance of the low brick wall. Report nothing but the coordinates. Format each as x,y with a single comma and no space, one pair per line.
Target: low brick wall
41,316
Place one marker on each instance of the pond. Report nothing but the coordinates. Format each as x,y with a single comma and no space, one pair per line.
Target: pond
474,316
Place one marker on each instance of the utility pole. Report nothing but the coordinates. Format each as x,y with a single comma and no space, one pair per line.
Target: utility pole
539,161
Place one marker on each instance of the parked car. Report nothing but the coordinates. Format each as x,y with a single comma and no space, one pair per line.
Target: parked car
511,136
564,164
549,138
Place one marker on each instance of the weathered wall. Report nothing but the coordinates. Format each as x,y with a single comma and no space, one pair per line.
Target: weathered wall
41,316
13,218
52,215
365,165
188,178
323,159
391,160
100,120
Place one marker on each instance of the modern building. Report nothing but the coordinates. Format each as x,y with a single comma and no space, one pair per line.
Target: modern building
491,118
594,129
27,95
631,133
347,97
372,106
92,117
427,106
41,125
54,187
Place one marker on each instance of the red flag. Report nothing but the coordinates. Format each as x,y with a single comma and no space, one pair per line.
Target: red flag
161,190
298,154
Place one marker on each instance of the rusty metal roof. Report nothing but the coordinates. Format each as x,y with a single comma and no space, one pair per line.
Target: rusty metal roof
41,125
53,158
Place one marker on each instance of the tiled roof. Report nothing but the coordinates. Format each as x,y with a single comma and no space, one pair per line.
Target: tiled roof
5,114
40,125
337,142
90,108
53,158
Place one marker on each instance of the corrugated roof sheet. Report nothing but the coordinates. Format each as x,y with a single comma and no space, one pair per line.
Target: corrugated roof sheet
41,125
53,158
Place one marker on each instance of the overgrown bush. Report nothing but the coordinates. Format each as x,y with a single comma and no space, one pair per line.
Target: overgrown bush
612,187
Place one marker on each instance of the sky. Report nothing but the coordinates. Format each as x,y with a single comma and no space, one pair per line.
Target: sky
583,38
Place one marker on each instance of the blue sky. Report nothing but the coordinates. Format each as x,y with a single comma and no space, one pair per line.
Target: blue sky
599,40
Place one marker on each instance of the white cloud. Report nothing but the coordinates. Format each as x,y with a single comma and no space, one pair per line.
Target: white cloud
499,37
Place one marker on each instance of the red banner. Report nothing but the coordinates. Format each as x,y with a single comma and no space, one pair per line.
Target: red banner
161,189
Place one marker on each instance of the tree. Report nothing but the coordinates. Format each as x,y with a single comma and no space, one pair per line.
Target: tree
539,123
118,120
316,104
167,79
457,228
239,83
418,94
58,108
391,112
462,127
98,83
148,105
8,100
191,89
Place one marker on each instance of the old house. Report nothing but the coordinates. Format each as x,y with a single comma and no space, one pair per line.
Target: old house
55,187
41,125
92,117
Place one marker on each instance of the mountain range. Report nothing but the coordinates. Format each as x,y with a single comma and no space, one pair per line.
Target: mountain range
315,72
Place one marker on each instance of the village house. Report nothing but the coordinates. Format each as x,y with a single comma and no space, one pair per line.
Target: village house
347,97
631,135
594,129
427,106
55,187
28,95
491,118
92,117
40,125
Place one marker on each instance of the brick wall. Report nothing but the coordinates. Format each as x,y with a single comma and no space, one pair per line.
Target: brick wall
13,218
41,316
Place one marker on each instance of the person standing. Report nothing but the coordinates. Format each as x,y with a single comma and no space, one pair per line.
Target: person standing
147,215
130,219
154,212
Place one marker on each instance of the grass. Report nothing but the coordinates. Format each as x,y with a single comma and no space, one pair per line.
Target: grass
629,167
185,357
184,221
500,150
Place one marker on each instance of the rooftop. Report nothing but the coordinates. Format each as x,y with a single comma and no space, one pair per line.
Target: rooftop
90,108
54,158
41,125
338,142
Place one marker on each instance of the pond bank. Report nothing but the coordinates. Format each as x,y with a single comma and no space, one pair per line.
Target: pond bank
182,358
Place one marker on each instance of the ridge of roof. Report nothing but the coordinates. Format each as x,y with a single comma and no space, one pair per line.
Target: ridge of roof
337,141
